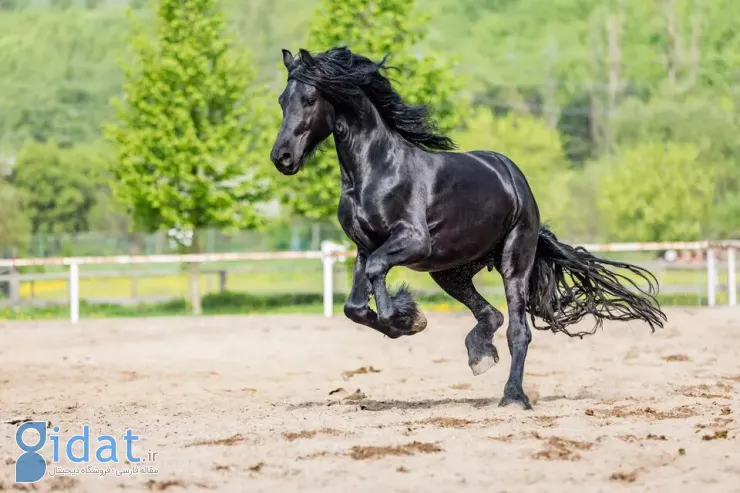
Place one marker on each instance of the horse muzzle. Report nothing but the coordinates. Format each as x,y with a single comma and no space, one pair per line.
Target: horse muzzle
286,162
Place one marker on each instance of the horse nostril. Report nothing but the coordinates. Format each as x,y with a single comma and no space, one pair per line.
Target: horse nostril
286,158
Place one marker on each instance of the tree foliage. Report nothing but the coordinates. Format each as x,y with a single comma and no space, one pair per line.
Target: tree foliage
657,191
59,72
527,140
605,77
56,186
375,28
533,146
708,122
191,132
15,226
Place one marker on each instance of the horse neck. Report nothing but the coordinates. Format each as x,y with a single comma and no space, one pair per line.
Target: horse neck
355,137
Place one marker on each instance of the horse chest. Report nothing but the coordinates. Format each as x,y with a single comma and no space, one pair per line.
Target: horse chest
359,224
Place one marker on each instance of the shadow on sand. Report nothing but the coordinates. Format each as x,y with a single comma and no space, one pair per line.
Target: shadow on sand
402,405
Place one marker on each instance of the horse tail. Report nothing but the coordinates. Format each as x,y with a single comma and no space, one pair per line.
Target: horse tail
569,283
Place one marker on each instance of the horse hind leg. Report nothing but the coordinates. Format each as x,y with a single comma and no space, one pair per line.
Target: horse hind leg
458,283
517,260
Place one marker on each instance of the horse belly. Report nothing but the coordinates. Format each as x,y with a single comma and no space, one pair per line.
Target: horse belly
454,245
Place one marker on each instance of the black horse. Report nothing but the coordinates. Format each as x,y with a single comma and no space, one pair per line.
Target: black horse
406,200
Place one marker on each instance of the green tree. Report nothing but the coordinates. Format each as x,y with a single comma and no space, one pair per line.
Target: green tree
704,119
707,120
192,134
59,74
92,4
13,4
657,192
724,223
62,4
107,215
374,28
15,226
57,187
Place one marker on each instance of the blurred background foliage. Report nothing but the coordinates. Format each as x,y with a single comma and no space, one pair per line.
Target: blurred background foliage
622,113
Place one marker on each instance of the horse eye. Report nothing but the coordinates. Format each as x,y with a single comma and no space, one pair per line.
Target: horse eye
310,102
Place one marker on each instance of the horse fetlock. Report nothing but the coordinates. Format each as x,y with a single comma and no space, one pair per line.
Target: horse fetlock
393,318
386,318
356,313
405,322
404,314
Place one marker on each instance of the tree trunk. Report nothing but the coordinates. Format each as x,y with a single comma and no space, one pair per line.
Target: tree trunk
136,240
194,268
596,114
550,90
674,42
315,236
613,30
695,43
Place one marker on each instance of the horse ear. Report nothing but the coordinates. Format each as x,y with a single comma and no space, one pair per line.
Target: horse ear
287,59
306,56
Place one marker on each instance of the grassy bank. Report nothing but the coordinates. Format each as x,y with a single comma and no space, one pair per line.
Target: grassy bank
275,276
230,303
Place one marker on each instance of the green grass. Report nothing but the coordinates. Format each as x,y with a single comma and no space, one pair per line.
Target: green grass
213,304
283,276
281,286
272,303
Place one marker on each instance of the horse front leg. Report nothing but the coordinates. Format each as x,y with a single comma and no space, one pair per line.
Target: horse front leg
356,308
405,245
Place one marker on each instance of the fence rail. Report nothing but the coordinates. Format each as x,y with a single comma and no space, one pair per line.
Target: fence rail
332,252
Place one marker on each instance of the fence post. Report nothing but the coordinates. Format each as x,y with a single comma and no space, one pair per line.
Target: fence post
711,274
134,286
731,283
328,285
327,248
15,286
74,293
222,281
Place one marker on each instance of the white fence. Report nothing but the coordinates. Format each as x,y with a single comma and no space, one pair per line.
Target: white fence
330,253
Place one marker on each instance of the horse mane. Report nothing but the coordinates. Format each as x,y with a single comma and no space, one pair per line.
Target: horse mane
342,76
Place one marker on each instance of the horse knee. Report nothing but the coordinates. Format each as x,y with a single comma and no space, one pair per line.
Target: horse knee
414,245
375,270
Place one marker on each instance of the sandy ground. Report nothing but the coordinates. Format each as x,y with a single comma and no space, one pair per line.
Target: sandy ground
246,404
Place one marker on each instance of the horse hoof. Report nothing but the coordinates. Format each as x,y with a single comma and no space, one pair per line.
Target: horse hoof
522,401
419,324
482,365
482,354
